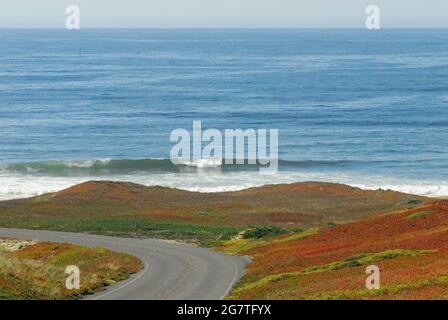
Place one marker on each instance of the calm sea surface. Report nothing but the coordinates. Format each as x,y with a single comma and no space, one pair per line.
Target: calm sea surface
354,106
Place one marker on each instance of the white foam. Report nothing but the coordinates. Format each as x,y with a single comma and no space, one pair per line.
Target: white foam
13,186
85,163
204,163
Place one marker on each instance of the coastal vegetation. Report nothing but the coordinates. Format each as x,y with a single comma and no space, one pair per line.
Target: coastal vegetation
306,240
330,263
36,270
127,209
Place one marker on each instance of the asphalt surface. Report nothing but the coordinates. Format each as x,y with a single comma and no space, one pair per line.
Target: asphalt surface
172,271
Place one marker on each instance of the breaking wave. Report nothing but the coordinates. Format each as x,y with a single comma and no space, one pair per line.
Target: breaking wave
103,167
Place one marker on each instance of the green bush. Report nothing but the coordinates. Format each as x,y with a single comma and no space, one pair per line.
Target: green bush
263,232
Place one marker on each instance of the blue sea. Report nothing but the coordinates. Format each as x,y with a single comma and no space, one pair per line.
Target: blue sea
365,108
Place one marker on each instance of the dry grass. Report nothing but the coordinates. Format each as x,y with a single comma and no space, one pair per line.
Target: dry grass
38,271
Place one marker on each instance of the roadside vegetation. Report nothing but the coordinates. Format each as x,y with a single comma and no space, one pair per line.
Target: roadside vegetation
36,271
330,262
130,227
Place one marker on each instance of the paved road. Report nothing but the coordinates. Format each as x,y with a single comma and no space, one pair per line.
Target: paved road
172,271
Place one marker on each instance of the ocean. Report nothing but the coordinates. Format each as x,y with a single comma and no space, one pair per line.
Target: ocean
360,107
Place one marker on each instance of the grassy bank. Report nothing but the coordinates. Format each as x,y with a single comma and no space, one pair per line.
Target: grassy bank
37,272
130,227
409,246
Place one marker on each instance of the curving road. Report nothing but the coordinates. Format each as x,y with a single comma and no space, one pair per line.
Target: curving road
172,271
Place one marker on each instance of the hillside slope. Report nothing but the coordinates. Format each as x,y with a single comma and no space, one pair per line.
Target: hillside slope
409,246
36,270
295,205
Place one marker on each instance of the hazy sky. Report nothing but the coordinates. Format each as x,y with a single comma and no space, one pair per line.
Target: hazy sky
223,13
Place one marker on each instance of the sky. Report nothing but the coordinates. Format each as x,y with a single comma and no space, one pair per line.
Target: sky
223,13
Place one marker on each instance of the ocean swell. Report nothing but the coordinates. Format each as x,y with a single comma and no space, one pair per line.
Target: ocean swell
107,167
